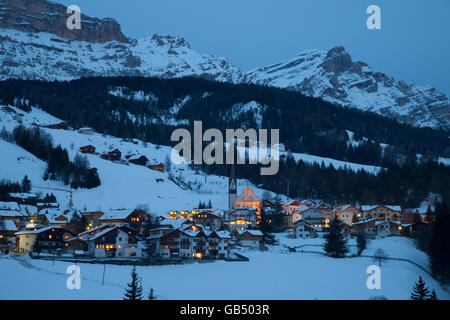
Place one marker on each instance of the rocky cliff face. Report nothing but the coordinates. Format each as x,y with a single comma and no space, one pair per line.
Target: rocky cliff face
36,44
335,77
45,16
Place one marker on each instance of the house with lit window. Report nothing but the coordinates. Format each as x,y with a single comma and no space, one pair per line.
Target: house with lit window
292,206
189,244
367,226
382,212
207,218
249,200
115,242
303,230
346,213
315,218
241,219
248,238
48,239
182,214
93,218
124,217
88,149
386,228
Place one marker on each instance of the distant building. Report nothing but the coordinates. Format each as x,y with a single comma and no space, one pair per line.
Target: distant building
49,239
112,155
139,160
93,218
59,126
382,212
115,242
249,200
207,218
87,149
86,130
125,217
291,206
303,229
242,219
248,238
346,213
157,167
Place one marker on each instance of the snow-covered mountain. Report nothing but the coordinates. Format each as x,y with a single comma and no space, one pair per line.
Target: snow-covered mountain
36,44
335,77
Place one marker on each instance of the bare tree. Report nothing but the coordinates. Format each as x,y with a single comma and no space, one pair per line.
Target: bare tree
380,256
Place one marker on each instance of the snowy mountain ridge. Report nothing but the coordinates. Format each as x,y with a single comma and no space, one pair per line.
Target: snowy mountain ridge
39,46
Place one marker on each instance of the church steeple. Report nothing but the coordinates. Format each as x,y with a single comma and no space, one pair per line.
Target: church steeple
232,189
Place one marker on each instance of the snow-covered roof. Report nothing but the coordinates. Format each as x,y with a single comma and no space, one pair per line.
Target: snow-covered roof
11,213
9,226
101,233
40,230
365,221
23,195
368,208
252,232
28,208
342,207
9,205
113,214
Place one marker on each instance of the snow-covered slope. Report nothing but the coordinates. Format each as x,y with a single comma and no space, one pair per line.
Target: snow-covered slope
334,77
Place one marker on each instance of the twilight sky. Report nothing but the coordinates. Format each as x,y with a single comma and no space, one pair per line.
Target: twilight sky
413,44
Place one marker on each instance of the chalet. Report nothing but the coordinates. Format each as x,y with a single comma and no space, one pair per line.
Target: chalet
368,227
309,203
291,206
92,232
86,130
124,217
8,230
87,149
315,218
115,242
60,219
48,238
248,238
139,160
297,215
24,198
182,214
278,221
59,126
207,218
157,167
326,211
93,218
241,219
303,229
387,228
382,212
112,155
47,205
189,244
19,218
346,213
75,244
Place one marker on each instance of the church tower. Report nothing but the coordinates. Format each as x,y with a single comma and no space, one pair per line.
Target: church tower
232,189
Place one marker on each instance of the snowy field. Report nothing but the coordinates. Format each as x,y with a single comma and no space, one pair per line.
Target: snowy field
274,274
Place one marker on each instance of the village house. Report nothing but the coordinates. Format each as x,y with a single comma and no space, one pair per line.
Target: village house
88,149
47,205
382,212
8,231
86,131
93,218
297,215
241,219
326,211
115,242
59,126
125,217
367,226
19,218
188,244
278,221
248,238
49,239
303,229
24,198
138,160
346,213
182,214
207,218
91,232
157,167
292,206
386,228
315,218
114,155
309,203
74,244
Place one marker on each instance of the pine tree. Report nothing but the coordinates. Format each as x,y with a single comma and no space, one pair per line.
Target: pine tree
26,184
361,241
134,290
420,291
151,295
433,295
335,240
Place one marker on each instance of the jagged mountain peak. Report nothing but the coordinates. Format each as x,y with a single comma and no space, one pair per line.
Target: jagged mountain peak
51,17
172,41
